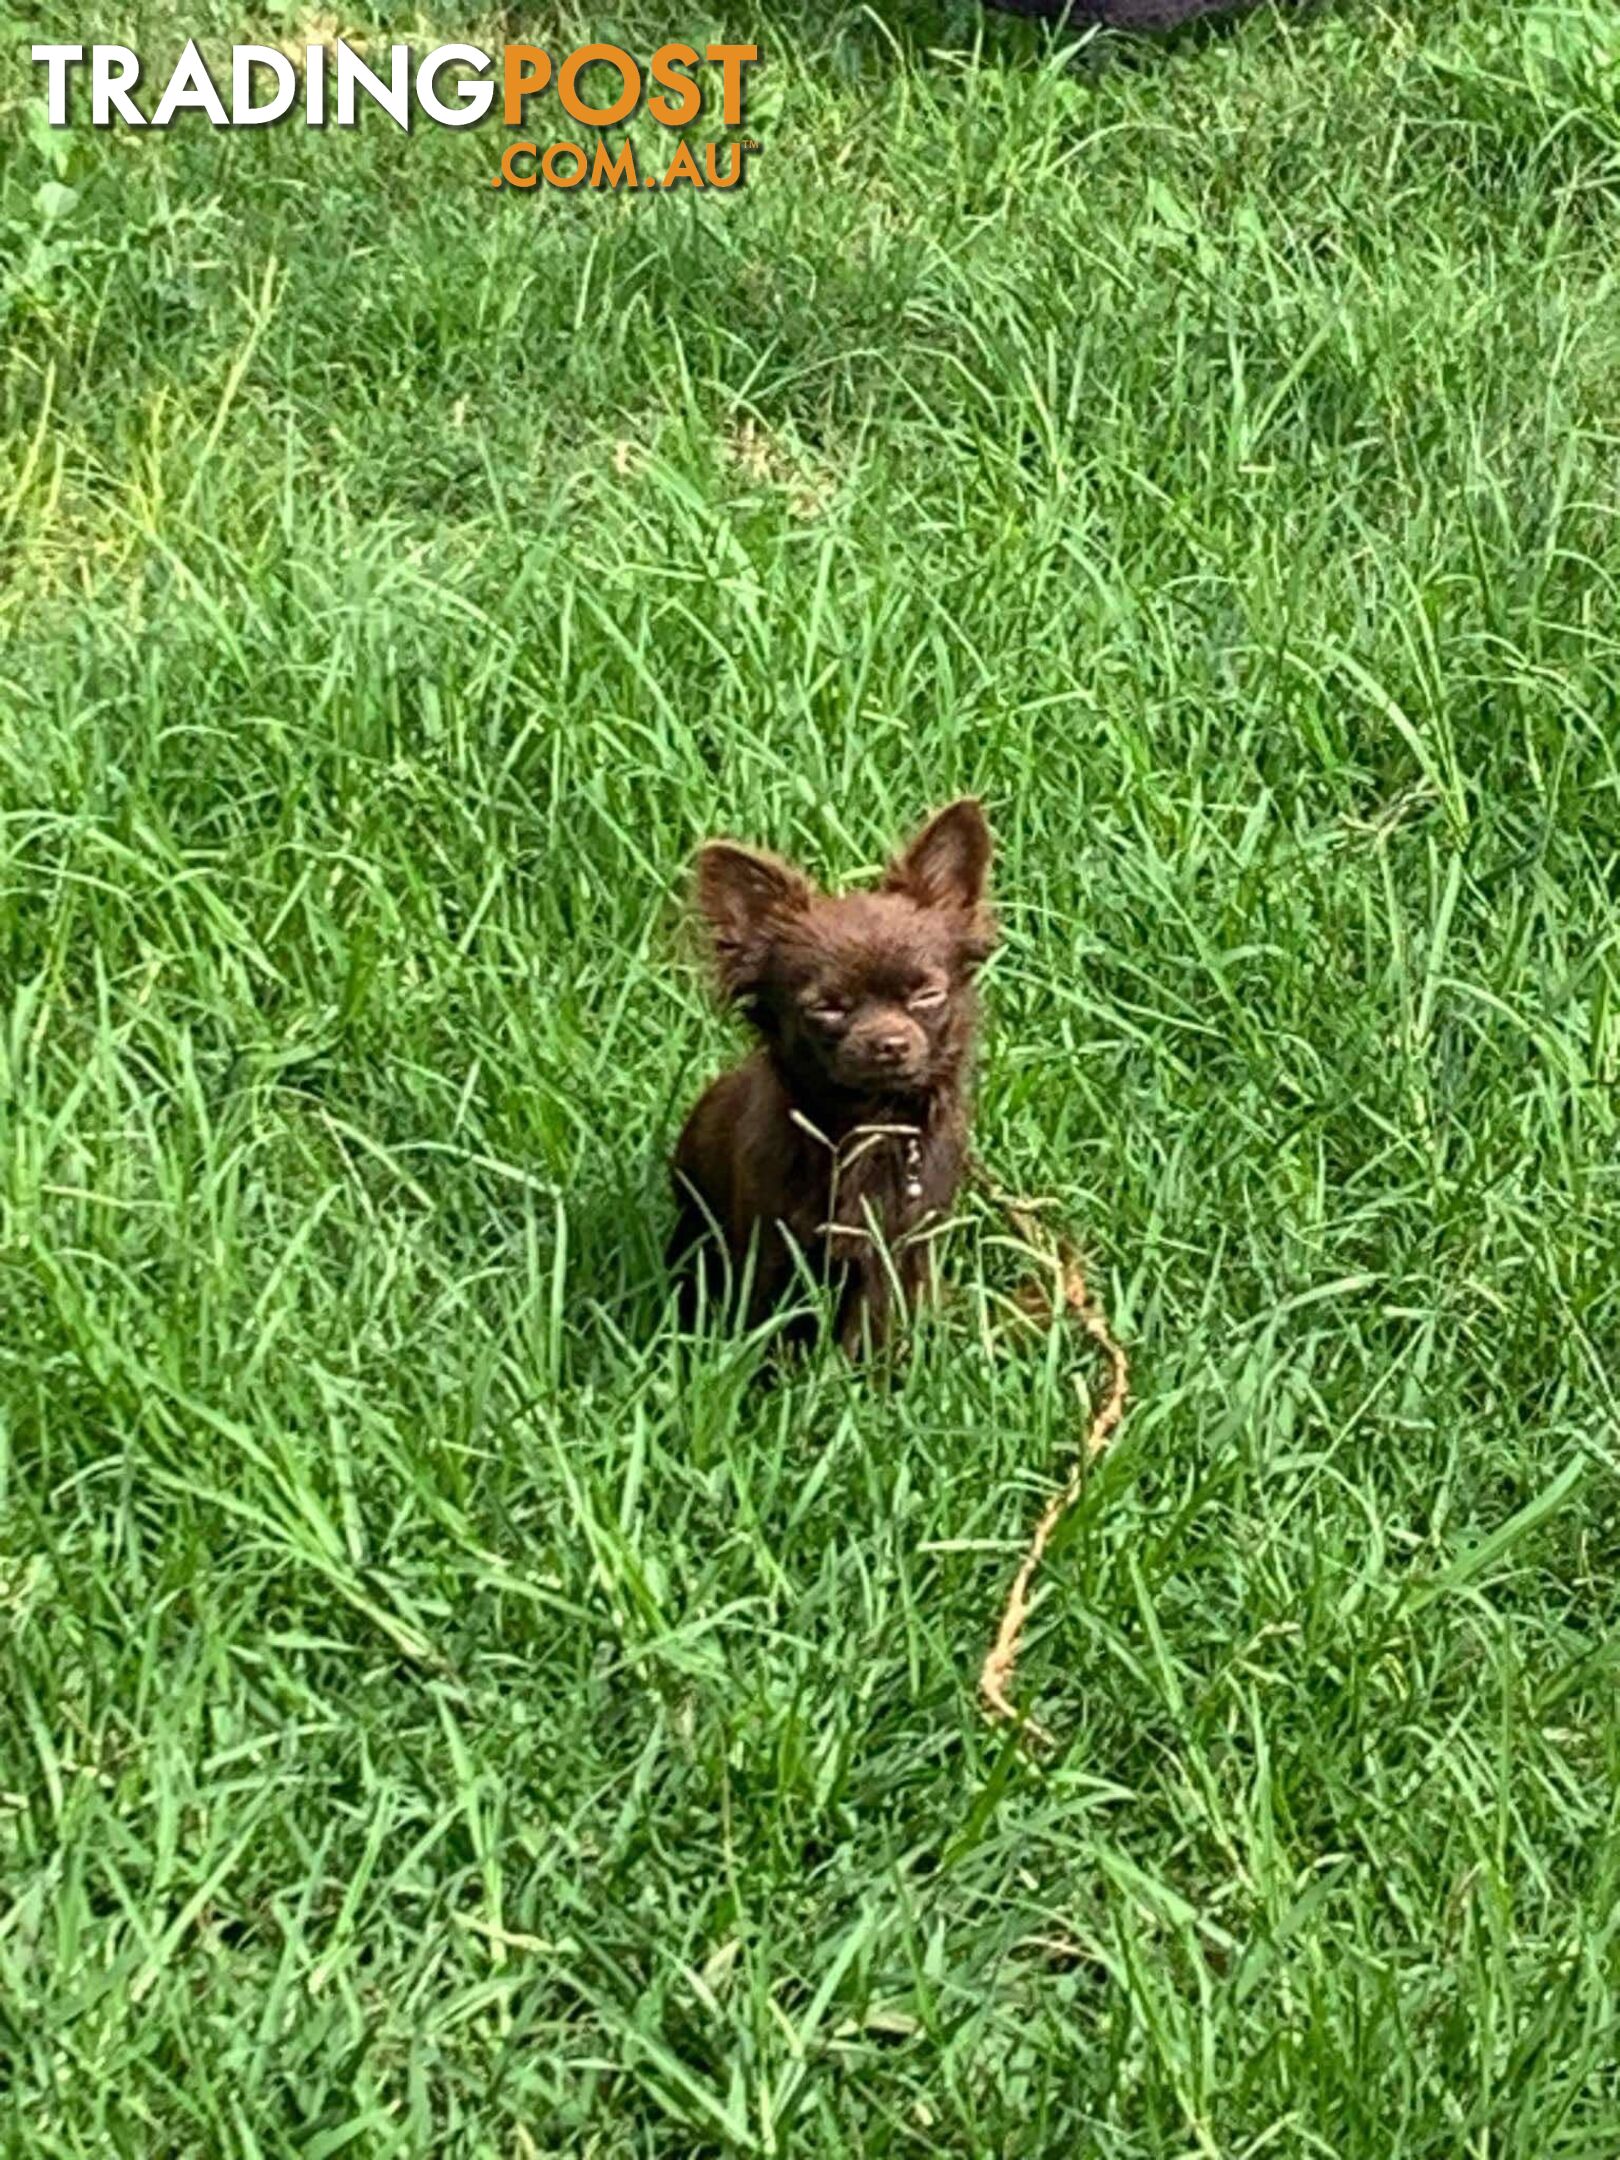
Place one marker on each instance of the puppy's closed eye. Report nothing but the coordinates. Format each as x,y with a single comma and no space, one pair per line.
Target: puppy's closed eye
826,1005
928,999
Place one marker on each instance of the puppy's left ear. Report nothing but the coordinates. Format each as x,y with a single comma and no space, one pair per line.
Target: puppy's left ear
745,897
948,864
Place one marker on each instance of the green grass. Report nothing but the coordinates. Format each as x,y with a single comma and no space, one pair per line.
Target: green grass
441,1712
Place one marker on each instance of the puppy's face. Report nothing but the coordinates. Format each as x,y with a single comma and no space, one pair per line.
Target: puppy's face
871,992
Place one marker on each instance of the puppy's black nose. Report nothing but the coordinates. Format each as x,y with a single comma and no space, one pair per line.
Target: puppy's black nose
891,1049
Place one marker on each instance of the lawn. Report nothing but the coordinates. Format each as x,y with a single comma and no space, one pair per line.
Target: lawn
443,1711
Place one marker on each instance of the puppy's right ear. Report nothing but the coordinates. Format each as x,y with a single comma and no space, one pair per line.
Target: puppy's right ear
745,897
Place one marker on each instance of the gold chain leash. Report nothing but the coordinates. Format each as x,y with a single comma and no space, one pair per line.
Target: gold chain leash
1074,1294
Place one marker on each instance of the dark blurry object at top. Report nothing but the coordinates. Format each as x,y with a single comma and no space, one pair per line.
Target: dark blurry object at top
1124,14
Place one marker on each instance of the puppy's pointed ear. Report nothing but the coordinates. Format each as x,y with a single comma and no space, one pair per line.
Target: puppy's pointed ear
745,897
948,864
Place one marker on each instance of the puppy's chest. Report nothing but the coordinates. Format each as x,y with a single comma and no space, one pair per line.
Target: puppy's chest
879,1184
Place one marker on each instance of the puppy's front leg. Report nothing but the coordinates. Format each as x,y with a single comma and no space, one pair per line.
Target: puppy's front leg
864,1311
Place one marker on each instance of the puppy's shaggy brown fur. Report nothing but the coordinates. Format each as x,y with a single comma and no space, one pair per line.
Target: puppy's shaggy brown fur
845,1133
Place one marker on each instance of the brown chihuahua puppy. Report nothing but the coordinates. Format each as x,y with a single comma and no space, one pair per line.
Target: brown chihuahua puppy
845,1134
